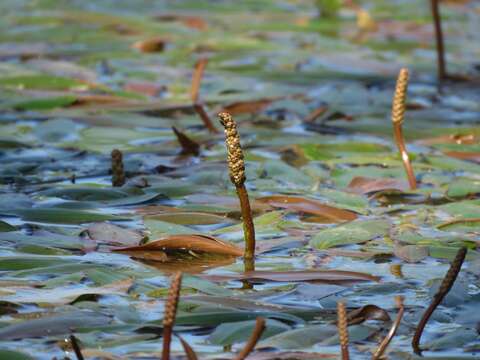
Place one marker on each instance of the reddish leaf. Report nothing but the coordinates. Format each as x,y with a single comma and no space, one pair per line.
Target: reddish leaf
247,107
367,312
150,45
323,276
144,88
459,139
308,206
189,147
193,22
470,156
366,185
197,243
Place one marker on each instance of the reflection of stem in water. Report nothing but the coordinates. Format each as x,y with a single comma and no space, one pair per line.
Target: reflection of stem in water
398,114
76,347
118,175
342,325
236,168
170,313
396,270
442,71
443,290
384,344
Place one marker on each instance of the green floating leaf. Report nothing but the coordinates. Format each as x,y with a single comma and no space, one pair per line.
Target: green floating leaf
14,355
44,103
461,187
4,227
43,82
352,233
63,216
240,331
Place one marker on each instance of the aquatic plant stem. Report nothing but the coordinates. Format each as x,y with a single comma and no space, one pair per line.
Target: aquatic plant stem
197,79
170,313
236,167
195,95
393,330
437,21
442,291
253,340
76,347
398,114
118,174
342,325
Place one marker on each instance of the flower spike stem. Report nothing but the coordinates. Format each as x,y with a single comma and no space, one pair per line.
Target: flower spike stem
197,79
384,344
342,325
442,71
118,174
443,290
76,348
195,95
236,167
170,313
398,114
254,338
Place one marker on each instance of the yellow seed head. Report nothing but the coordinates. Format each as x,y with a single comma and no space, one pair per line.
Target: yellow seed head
172,300
400,96
236,165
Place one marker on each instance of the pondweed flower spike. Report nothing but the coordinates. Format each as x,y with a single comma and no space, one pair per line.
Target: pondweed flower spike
256,335
443,290
76,347
194,95
398,114
442,71
342,325
236,167
384,344
118,174
170,313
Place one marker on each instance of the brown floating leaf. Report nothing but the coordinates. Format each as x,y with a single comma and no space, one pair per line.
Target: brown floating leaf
144,88
469,156
197,243
367,312
193,22
366,185
310,206
150,45
247,107
459,139
289,355
324,276
189,147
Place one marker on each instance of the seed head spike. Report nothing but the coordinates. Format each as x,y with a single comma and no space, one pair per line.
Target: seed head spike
236,164
399,99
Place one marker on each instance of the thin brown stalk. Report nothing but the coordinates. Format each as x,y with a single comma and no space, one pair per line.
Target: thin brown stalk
437,21
398,114
443,290
236,167
189,147
170,313
393,330
189,352
342,325
200,110
76,347
118,174
197,79
253,340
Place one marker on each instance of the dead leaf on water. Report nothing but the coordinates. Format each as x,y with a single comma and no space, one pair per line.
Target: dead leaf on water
195,243
324,213
321,276
366,185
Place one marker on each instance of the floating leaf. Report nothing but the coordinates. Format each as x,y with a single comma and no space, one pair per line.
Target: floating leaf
309,206
352,233
365,185
323,276
187,242
63,216
113,234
